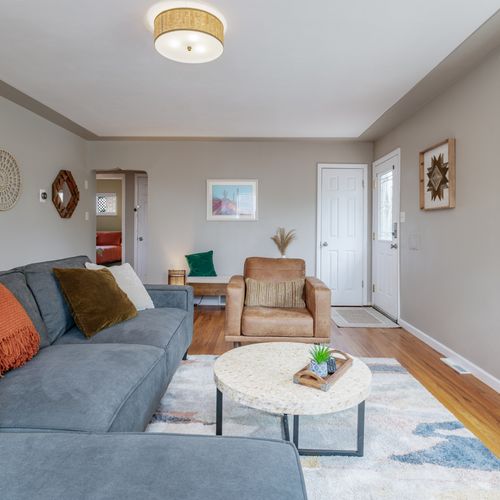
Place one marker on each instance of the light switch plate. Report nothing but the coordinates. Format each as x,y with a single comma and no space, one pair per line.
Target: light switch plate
414,241
86,216
402,217
86,184
43,196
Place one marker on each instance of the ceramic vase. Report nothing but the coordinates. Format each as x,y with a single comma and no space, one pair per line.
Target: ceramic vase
331,365
320,369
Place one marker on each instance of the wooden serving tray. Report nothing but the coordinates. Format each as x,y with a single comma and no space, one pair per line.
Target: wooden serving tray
310,379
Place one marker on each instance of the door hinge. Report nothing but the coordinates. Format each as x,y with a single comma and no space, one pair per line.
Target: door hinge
373,288
362,283
363,184
373,236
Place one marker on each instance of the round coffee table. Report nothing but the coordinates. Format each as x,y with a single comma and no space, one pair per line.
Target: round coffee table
260,376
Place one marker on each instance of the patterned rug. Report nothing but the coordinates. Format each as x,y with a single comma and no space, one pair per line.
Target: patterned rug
414,447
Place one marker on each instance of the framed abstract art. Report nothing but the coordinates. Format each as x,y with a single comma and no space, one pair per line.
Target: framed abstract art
437,176
231,200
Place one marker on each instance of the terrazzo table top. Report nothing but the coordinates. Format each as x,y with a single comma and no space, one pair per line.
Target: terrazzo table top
261,376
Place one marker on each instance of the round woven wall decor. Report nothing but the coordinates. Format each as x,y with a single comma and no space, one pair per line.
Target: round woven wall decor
10,181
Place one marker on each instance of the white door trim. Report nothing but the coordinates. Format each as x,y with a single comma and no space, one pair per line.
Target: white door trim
120,177
388,156
364,167
136,176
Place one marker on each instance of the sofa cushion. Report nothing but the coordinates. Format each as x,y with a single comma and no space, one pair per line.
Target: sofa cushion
201,264
264,268
53,307
48,295
16,283
95,388
129,282
155,466
96,300
113,238
48,265
164,327
19,340
268,321
275,293
106,254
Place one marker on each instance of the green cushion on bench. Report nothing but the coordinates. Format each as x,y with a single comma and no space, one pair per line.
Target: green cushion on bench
201,264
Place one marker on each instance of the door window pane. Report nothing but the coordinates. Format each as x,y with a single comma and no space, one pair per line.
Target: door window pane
385,206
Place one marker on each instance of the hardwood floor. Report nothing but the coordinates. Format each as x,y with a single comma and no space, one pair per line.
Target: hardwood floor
475,404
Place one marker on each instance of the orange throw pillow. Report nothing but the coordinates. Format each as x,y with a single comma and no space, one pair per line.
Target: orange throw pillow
19,340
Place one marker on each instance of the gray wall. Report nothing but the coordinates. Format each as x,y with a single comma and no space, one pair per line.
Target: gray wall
110,222
450,286
178,171
32,231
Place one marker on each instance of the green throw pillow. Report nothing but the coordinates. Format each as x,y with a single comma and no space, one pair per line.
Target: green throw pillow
201,264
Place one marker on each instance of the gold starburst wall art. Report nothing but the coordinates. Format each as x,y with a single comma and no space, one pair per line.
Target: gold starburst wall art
437,176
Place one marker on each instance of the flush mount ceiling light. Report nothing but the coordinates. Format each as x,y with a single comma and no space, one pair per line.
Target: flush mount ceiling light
187,32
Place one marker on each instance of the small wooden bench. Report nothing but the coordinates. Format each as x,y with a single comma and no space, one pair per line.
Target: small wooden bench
208,286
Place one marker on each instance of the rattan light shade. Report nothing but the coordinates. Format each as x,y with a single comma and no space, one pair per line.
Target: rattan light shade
189,35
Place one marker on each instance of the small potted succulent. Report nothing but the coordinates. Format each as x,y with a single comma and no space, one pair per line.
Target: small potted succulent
320,355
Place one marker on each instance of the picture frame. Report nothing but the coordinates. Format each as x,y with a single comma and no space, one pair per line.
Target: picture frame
438,176
232,199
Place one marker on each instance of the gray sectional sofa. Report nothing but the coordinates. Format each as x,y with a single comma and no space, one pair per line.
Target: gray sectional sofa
71,419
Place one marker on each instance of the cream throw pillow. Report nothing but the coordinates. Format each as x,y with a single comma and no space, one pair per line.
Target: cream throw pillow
275,293
129,283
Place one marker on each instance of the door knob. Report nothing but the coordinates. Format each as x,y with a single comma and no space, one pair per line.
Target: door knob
394,245
324,244
140,238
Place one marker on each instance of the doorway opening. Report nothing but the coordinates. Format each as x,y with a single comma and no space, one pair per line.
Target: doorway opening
342,232
122,219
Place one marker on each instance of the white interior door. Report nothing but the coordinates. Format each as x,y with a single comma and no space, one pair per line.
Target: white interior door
385,275
342,229
141,225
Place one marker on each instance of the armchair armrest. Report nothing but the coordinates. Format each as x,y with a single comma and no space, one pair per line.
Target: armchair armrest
235,299
180,297
318,301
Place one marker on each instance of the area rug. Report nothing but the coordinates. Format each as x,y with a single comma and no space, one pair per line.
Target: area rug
360,317
414,447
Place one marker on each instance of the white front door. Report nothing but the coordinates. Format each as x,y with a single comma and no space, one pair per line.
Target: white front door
385,275
141,225
342,233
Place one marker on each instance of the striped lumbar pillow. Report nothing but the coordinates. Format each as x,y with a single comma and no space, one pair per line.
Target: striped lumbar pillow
275,293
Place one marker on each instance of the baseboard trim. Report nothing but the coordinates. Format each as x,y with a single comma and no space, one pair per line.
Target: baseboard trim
475,370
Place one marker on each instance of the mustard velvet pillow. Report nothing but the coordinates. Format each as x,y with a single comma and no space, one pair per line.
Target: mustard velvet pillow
95,299
275,293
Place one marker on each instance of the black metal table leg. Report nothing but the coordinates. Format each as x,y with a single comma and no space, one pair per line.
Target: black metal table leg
361,429
218,414
358,452
285,429
296,431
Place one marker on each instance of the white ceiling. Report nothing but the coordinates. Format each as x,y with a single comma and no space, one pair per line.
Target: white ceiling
291,68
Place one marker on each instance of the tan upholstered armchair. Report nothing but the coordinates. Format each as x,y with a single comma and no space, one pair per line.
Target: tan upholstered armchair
259,324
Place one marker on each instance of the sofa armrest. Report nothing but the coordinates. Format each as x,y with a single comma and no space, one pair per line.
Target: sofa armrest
318,301
180,297
235,299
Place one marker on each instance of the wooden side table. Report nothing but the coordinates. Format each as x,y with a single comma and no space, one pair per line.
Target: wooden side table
210,286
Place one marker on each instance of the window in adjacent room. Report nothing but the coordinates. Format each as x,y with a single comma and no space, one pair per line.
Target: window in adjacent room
106,204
